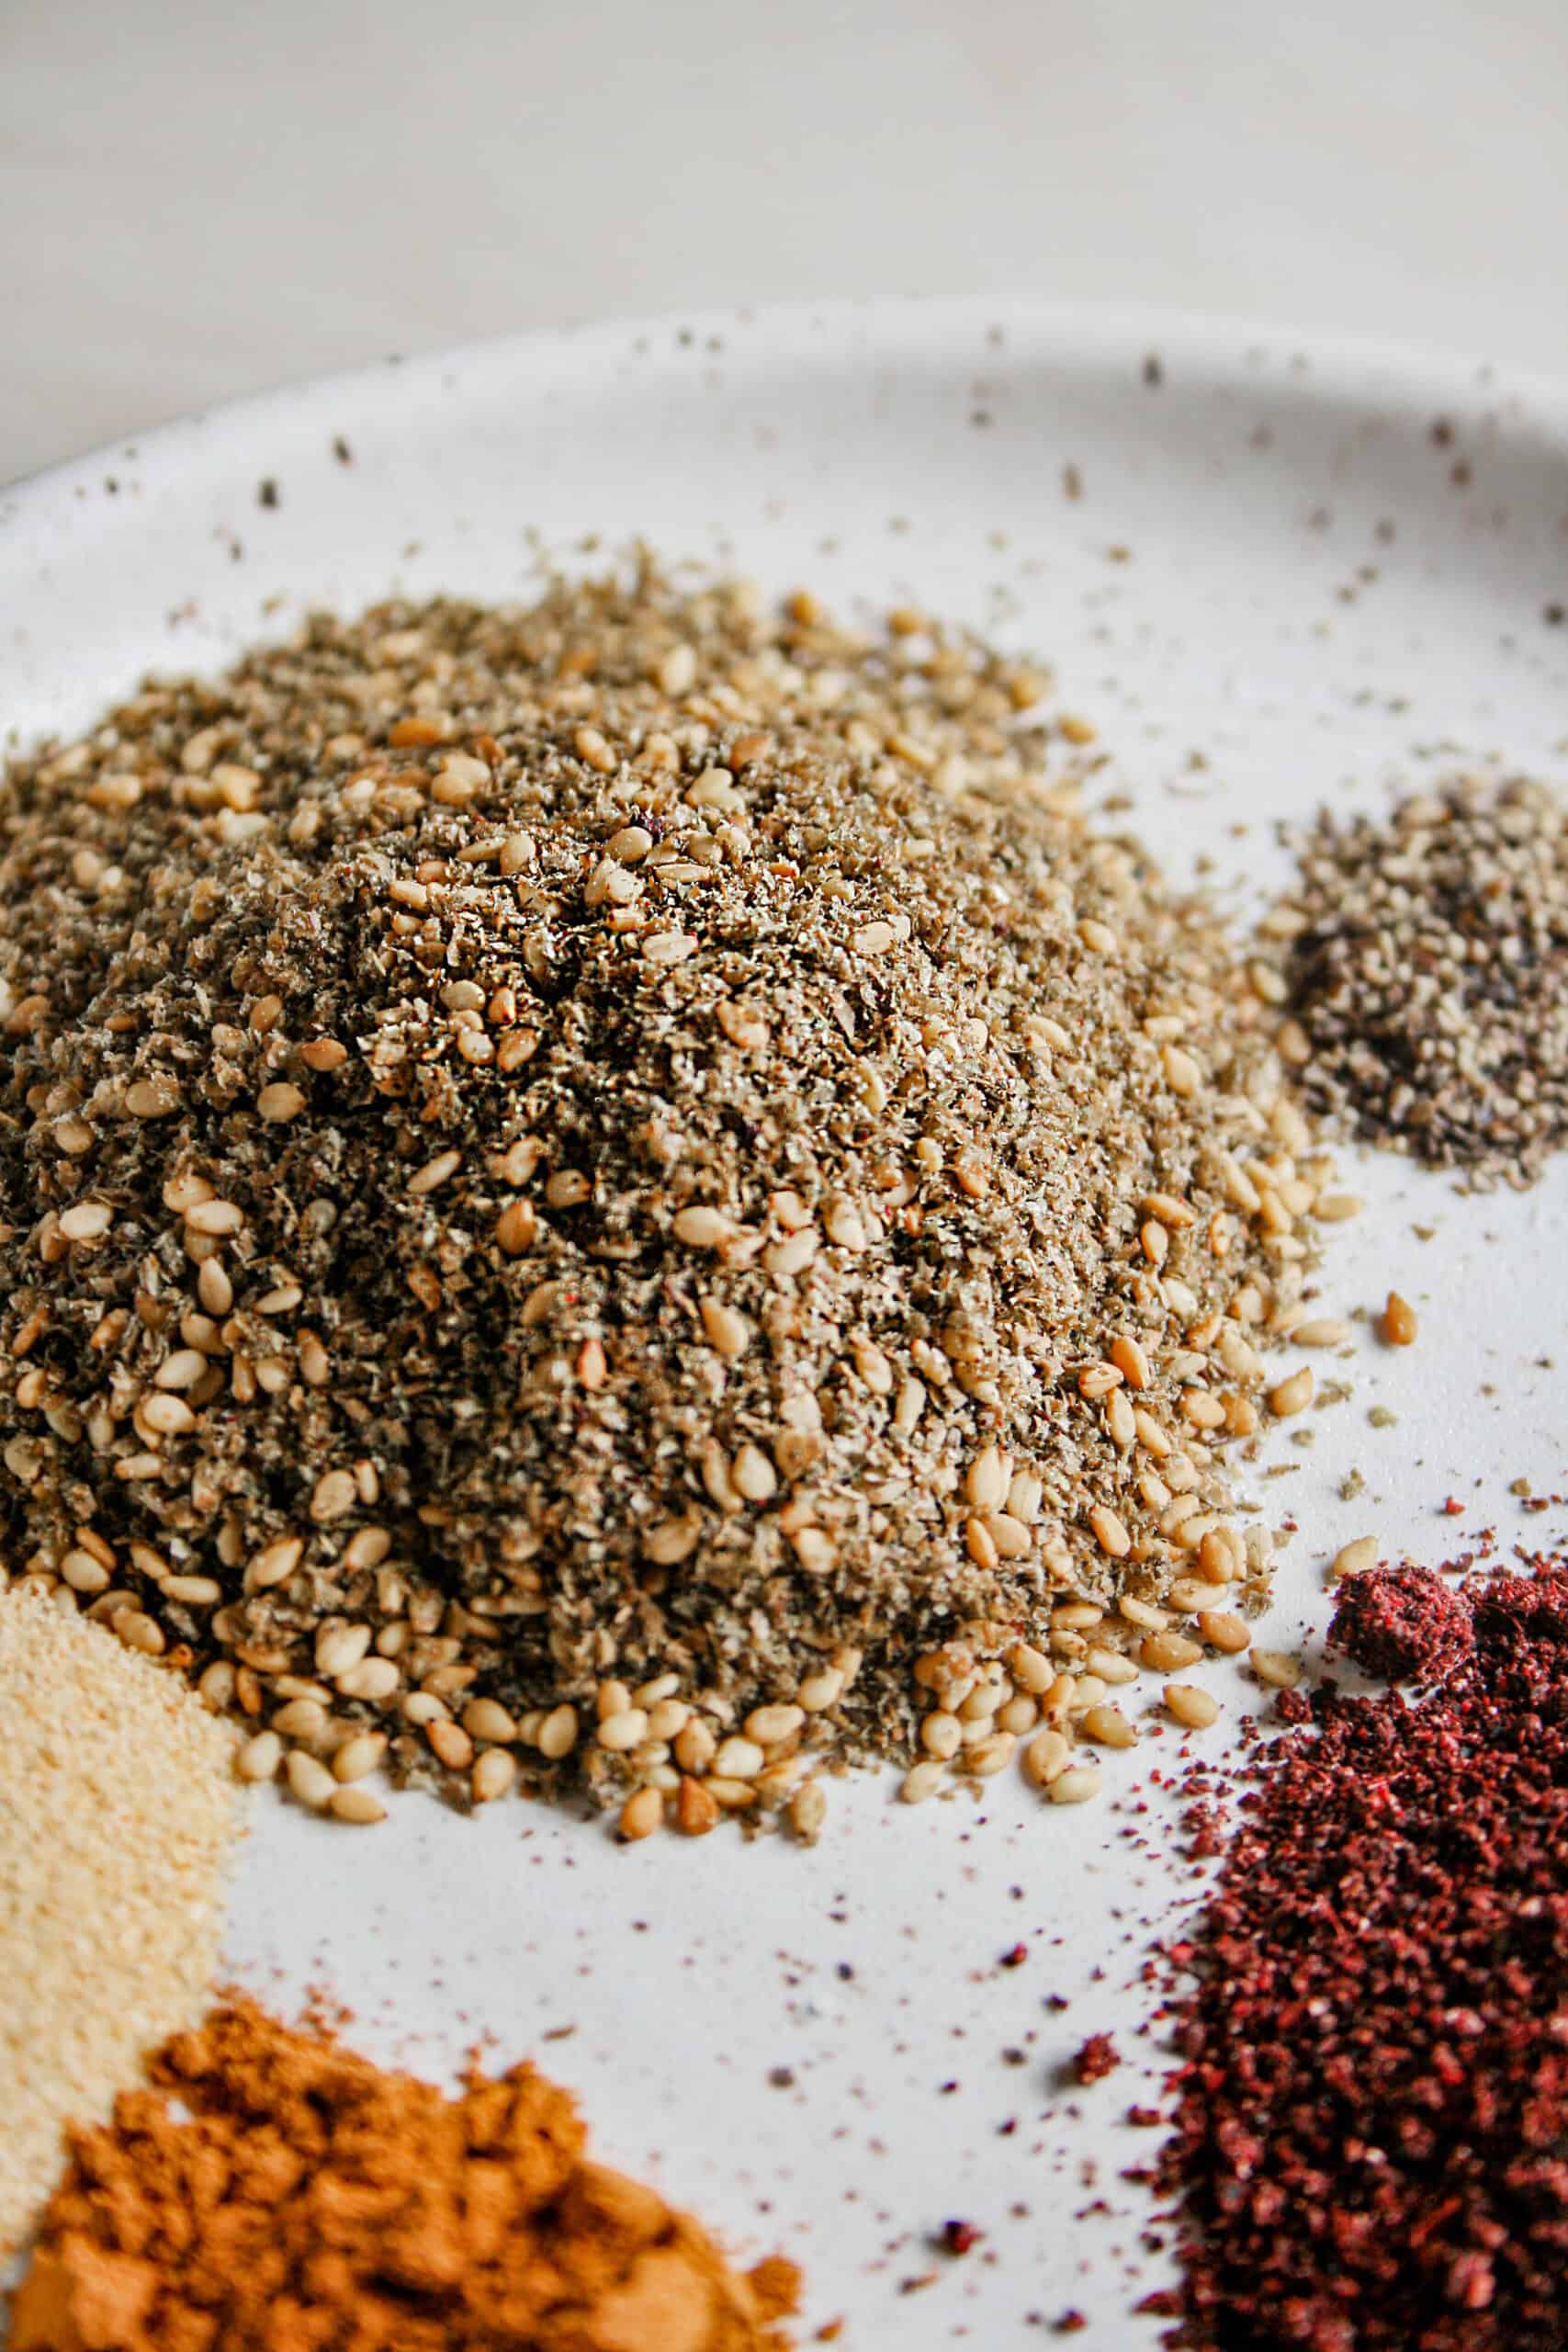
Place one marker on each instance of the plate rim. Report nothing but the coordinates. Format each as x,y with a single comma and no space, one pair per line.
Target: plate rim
1342,367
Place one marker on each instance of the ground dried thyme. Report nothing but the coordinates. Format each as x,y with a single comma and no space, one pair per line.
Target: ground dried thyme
1427,977
627,1192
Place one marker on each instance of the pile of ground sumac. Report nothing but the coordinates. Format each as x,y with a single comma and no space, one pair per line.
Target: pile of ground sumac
1372,2135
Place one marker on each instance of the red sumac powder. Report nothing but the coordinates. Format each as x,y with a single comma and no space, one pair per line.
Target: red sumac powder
1403,1625
1370,2149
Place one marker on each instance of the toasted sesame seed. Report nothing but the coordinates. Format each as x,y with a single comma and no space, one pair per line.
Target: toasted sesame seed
260,1757
1109,1531
218,1219
769,1726
1292,1394
375,1680
1321,1331
450,1743
493,1774
487,1718
357,1806
358,1757
310,1779
990,1755
274,1563
694,1746
1107,1726
641,1814
1398,1325
84,1574
335,1493
1181,1071
678,671
214,1288
1129,1360
153,1098
193,1592
921,1780
434,1173
281,1102
985,1481
1030,1668
301,1719
728,1331
138,1631
807,1812
1046,1756
169,1416
86,1221
1166,1652
744,1027
1353,1559
1191,1707
703,1229
624,1731
813,1550
1221,1555
731,1795
942,1735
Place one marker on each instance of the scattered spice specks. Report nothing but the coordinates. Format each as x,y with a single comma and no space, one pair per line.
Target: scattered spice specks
1095,2059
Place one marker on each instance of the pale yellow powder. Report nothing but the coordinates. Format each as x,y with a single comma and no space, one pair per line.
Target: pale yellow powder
117,1810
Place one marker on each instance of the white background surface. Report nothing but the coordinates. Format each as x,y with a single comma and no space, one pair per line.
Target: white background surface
196,199
1271,562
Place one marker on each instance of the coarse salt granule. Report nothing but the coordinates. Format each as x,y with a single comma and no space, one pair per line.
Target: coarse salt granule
117,1810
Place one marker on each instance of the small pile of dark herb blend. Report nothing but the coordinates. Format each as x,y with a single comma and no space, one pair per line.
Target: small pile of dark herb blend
1427,977
625,1191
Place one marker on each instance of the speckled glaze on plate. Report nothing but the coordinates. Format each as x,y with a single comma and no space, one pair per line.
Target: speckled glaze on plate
1271,572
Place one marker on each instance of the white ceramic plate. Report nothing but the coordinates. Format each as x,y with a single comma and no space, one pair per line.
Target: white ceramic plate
1319,570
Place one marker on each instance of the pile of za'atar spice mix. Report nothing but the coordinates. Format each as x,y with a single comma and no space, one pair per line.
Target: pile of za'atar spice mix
273,2192
1372,2134
118,1816
1427,977
627,1192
